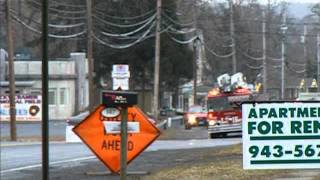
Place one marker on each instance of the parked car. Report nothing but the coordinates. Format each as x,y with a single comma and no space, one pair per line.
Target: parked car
195,116
74,120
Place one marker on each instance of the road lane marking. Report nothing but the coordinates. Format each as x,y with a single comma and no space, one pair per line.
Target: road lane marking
39,165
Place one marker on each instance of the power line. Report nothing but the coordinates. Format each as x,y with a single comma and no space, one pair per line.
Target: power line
50,35
97,10
58,10
296,71
54,3
250,57
176,22
182,41
123,25
64,26
216,54
260,33
128,33
254,67
123,46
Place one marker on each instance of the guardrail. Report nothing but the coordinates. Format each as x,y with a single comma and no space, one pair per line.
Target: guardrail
168,122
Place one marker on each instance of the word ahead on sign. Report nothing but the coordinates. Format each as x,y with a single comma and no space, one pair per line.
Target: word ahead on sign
100,131
282,135
119,98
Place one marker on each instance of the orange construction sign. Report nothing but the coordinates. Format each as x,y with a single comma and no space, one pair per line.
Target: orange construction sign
100,131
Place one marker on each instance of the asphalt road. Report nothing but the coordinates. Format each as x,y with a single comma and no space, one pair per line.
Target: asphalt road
56,128
17,159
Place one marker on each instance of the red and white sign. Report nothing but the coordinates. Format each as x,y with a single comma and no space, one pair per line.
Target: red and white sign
102,135
28,108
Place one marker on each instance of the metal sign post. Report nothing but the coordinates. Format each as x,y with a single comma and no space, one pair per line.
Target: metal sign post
123,148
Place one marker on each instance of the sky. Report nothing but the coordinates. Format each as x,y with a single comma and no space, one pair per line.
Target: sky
291,1
278,1
297,8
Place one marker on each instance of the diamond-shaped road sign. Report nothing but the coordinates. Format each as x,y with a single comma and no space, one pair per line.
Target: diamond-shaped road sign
102,134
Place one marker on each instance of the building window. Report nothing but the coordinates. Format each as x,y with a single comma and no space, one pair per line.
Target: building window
63,96
52,97
35,92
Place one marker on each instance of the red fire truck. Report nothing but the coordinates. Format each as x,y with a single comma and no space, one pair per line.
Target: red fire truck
224,110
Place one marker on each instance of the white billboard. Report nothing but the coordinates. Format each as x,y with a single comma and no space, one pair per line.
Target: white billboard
281,135
28,108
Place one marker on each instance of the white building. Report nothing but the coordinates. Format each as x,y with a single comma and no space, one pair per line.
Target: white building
68,85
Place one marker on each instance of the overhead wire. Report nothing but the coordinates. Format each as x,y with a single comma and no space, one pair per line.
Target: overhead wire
182,41
250,57
128,33
254,67
50,35
123,46
53,3
50,25
177,31
59,10
176,22
124,18
216,54
296,71
124,25
297,64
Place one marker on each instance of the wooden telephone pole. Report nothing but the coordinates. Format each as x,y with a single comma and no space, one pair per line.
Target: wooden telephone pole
12,86
90,55
157,64
233,40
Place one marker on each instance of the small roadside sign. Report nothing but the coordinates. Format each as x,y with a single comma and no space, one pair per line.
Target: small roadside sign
281,135
119,98
120,77
100,131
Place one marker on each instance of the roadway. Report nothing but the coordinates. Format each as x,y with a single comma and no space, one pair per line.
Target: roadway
17,158
20,157
32,129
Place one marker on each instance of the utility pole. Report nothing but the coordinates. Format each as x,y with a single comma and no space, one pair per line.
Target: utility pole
195,56
89,55
318,59
12,86
157,64
283,54
233,41
304,41
45,91
195,79
264,57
